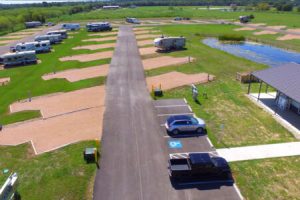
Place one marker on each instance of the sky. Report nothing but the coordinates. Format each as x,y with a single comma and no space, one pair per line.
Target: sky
36,1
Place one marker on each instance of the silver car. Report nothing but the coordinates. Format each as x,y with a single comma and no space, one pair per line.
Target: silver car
183,123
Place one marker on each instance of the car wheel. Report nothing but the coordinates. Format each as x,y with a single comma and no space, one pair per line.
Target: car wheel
199,130
175,131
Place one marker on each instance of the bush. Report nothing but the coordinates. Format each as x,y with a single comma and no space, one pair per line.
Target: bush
231,38
298,9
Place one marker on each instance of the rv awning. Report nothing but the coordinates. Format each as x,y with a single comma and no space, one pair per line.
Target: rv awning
285,78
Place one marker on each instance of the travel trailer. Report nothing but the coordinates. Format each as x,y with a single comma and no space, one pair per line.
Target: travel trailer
98,26
168,43
63,33
54,39
71,27
38,47
18,58
33,24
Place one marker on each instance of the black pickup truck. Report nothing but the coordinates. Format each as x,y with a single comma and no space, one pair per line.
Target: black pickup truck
200,166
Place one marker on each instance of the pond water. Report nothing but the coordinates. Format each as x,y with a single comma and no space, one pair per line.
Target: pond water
256,52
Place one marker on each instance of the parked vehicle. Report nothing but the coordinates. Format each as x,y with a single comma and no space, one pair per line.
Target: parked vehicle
98,26
38,47
33,24
168,43
132,20
198,166
184,123
50,24
18,58
63,33
54,39
71,27
245,19
178,19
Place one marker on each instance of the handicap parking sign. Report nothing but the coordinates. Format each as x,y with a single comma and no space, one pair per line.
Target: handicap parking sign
175,144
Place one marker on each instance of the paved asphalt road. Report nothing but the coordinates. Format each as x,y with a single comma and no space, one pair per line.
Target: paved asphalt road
134,153
5,48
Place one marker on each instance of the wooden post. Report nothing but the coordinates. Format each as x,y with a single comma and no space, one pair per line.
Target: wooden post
249,85
259,91
267,87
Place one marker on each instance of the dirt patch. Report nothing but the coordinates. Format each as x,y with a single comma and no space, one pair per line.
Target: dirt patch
257,24
68,118
176,79
164,61
95,46
74,75
297,30
148,50
22,33
104,34
11,37
146,36
140,32
4,81
100,39
277,27
62,103
289,37
89,57
245,29
144,42
265,33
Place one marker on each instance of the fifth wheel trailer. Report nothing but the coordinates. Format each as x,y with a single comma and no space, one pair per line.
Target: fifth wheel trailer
63,33
18,58
38,47
52,38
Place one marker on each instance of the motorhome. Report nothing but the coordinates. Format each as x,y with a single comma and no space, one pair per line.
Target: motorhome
71,27
168,43
63,33
18,58
54,39
33,24
38,47
132,20
99,26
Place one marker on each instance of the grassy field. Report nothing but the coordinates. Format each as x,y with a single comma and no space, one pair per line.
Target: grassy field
270,17
26,81
245,123
268,179
61,174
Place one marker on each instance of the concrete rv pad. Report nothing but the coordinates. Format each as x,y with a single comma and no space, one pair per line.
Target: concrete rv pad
62,103
7,37
245,29
100,39
74,75
276,27
95,46
104,34
88,57
164,61
176,79
289,37
148,50
144,42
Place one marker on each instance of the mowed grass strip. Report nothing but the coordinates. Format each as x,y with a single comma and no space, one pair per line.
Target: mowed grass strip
61,174
244,122
268,179
26,81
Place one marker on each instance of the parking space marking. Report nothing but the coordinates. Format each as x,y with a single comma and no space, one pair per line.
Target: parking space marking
160,115
162,125
210,143
175,144
166,136
238,191
185,100
167,106
190,108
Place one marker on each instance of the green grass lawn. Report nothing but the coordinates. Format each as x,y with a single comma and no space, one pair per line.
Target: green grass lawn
61,174
270,17
26,81
245,123
268,179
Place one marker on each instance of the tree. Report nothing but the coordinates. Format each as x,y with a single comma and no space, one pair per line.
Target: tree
263,6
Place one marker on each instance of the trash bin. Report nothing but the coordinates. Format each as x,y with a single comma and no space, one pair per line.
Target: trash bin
89,155
158,92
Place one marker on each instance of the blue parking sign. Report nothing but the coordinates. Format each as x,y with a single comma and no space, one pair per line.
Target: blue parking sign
175,144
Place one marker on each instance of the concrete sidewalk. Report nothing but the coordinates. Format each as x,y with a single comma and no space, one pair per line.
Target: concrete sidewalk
260,151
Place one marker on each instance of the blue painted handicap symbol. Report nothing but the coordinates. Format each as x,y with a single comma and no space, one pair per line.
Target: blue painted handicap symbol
175,144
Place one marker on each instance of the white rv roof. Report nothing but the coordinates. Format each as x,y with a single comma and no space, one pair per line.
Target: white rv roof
19,53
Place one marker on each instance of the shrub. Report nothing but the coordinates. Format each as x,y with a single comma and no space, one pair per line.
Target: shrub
232,37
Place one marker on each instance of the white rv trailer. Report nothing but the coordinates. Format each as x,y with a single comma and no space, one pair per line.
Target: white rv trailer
52,38
63,33
18,58
38,47
71,27
168,43
33,24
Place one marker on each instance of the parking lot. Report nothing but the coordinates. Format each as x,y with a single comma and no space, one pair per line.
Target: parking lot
189,142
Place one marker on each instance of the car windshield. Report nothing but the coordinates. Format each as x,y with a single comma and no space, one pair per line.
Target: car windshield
194,120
